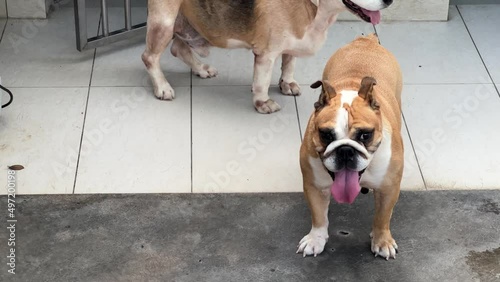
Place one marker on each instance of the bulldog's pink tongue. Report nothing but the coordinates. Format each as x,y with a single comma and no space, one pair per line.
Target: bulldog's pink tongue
374,16
345,187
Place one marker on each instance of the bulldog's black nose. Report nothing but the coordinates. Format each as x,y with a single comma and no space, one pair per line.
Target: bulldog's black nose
345,154
388,2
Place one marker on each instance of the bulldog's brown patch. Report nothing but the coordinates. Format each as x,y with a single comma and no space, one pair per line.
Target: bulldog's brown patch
364,118
325,119
327,93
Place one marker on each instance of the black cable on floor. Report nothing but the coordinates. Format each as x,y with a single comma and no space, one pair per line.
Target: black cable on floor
10,94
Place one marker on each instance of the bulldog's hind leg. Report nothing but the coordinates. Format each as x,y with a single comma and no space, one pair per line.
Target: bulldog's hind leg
182,51
160,30
382,242
314,242
287,84
262,72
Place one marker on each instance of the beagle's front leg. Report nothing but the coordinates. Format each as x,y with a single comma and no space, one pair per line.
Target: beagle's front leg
288,85
263,69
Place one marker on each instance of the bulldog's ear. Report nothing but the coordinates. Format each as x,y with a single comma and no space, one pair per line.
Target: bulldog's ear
316,84
327,93
366,91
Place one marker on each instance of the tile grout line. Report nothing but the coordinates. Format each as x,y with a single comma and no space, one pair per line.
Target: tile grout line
478,52
305,84
414,151
298,117
84,120
48,87
408,131
4,29
85,112
191,123
236,85
132,86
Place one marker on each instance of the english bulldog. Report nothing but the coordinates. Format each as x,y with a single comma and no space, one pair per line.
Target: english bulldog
353,140
270,28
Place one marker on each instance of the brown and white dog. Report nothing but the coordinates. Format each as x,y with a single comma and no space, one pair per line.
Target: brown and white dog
270,28
353,140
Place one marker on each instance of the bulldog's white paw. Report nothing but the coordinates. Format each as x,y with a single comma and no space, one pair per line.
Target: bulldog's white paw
267,107
206,71
384,245
164,92
313,243
289,88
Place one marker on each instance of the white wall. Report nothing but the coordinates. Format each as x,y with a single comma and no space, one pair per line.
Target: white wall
3,9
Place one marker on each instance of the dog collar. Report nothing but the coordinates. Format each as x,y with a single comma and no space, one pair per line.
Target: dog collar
364,190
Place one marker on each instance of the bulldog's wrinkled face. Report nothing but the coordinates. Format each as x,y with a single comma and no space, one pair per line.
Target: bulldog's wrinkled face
348,131
367,10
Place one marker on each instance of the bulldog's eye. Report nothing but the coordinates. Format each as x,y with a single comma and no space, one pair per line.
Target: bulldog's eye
365,136
326,135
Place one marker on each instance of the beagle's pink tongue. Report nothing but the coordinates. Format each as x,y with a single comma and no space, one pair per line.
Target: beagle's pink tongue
374,16
345,187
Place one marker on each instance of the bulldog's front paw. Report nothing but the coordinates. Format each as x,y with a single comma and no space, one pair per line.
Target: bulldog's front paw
164,92
206,71
383,244
267,107
313,243
289,88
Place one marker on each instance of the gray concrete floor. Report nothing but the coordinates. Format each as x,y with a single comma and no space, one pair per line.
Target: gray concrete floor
443,236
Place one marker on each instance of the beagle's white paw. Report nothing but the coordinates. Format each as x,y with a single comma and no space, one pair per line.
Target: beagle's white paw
266,107
206,71
291,88
164,91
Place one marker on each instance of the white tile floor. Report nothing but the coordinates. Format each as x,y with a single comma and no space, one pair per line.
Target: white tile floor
115,137
39,54
235,148
434,53
457,147
132,143
483,23
41,130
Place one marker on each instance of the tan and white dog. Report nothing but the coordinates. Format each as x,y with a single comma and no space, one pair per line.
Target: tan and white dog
270,28
353,140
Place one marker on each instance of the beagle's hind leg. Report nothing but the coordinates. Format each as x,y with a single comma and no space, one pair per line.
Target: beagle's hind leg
181,50
160,31
187,40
